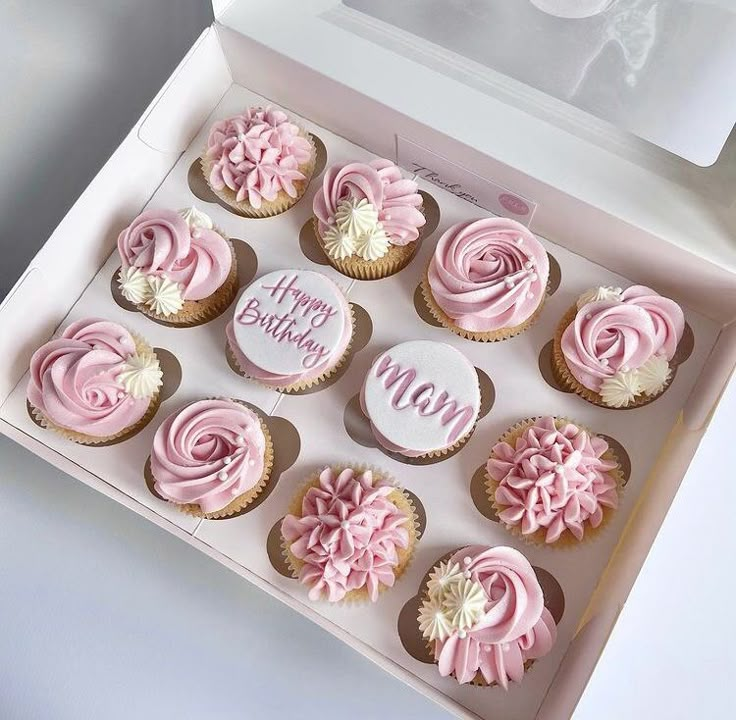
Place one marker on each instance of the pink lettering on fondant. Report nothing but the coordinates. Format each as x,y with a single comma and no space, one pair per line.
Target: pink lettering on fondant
317,310
422,397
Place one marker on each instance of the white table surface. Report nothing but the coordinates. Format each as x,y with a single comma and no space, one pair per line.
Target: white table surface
103,615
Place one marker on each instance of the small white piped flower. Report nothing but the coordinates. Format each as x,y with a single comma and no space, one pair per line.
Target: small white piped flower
442,576
196,218
598,293
464,602
433,622
654,375
134,285
355,217
165,297
338,245
621,389
373,245
141,375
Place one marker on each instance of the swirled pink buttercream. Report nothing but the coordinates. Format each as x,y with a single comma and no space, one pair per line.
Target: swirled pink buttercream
488,274
381,183
514,628
209,453
553,479
347,535
161,244
611,335
74,379
257,154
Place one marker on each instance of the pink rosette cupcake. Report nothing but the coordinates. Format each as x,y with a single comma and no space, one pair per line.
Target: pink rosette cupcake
95,383
368,218
176,267
617,348
211,458
487,279
350,534
258,162
552,482
483,616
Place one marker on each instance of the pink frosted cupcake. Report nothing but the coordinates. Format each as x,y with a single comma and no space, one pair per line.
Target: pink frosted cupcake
484,617
368,218
553,482
616,348
291,329
212,458
95,383
176,267
487,279
258,162
349,535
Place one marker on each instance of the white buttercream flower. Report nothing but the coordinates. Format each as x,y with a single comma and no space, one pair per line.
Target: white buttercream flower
654,375
141,375
433,621
373,245
165,297
355,217
464,602
621,389
599,293
442,576
196,218
134,285
338,245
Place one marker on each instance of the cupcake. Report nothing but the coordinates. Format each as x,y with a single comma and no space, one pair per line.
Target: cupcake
552,482
615,348
350,534
176,267
291,329
258,162
422,398
212,458
483,616
367,218
95,383
487,279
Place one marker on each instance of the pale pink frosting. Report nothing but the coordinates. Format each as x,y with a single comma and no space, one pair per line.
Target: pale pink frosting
347,535
488,274
275,380
553,479
74,379
257,154
611,335
161,244
515,627
208,453
381,183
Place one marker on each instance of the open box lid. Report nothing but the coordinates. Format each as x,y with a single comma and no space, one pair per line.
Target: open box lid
518,120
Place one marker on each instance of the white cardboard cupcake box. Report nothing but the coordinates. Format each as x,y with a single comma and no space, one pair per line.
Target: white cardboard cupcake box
604,218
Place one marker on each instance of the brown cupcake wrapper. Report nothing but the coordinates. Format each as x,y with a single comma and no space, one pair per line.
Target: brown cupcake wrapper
141,346
302,384
569,382
396,259
491,336
241,501
398,497
566,539
269,208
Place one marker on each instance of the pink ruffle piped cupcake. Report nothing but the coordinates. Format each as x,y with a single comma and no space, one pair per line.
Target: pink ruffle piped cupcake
368,218
487,279
350,534
483,616
259,162
617,348
552,482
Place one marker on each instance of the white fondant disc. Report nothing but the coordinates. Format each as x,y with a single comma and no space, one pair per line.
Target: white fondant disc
422,395
288,321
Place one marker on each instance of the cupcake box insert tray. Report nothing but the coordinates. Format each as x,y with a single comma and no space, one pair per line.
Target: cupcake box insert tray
590,582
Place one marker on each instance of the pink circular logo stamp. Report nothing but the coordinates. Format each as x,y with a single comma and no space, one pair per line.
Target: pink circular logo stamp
513,204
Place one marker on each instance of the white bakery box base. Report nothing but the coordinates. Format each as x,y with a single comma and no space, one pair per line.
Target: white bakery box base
155,165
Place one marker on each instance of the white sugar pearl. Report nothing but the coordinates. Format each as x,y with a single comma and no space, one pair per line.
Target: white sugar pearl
251,462
534,277
588,316
240,440
227,460
121,395
461,634
529,264
559,468
234,490
386,216
466,561
618,290
604,361
509,282
222,475
466,574
344,524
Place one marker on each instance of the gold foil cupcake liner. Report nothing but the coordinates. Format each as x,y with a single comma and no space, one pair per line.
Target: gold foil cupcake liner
566,539
302,384
570,383
269,208
241,501
396,259
398,497
141,346
491,336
